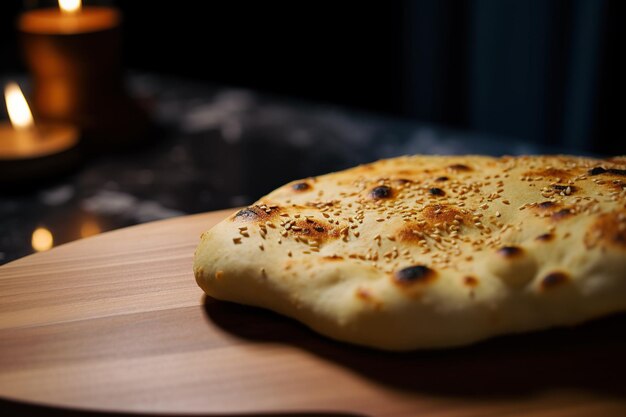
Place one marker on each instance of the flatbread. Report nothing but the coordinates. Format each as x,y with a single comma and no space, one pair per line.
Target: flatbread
430,251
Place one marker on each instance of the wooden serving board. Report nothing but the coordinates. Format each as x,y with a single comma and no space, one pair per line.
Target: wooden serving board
116,323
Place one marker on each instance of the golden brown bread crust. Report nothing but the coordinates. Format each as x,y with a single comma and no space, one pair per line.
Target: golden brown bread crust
430,251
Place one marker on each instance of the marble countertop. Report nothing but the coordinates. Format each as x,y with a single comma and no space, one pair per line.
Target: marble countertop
218,147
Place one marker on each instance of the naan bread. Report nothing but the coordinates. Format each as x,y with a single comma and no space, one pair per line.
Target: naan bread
430,251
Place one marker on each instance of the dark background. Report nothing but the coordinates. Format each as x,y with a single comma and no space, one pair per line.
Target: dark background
545,71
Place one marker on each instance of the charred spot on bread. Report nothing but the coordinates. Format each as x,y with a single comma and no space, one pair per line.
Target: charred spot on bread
436,192
546,205
247,213
381,192
553,280
545,237
567,189
256,212
314,229
441,179
333,258
459,167
510,251
513,266
470,281
562,214
597,171
554,210
616,171
301,186
414,274
601,170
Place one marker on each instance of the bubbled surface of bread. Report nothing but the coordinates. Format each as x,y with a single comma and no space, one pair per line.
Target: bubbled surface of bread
430,251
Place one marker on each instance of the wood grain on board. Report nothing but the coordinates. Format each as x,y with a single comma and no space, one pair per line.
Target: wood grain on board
116,323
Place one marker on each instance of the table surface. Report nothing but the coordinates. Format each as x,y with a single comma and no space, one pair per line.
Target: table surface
217,147
116,322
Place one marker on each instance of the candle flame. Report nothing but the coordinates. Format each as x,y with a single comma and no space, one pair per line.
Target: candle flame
42,239
17,107
70,6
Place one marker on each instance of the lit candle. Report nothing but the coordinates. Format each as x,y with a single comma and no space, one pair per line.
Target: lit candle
73,54
69,18
27,149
